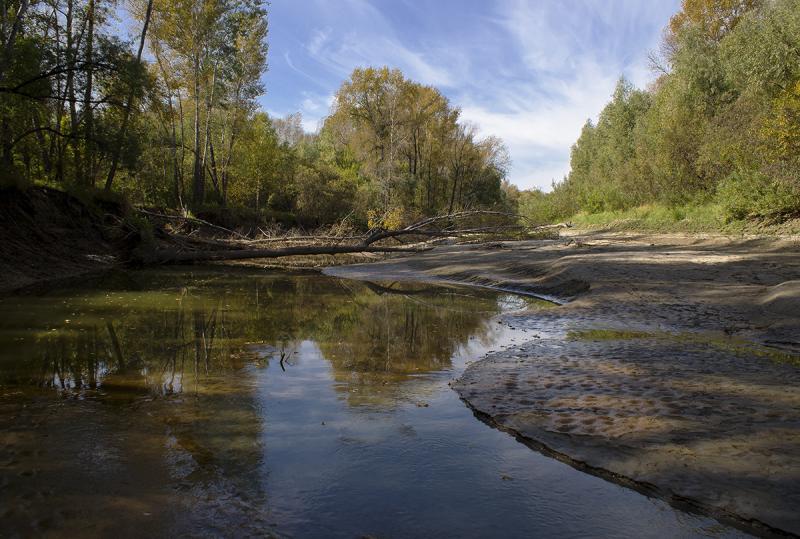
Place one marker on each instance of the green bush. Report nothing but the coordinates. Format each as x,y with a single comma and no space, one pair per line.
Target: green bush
536,206
694,217
749,195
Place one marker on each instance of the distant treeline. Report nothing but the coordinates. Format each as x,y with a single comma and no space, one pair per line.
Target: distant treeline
720,125
171,120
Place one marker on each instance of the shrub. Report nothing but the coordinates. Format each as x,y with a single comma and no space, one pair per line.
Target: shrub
747,194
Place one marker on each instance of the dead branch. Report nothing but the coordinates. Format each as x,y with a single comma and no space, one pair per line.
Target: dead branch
284,239
424,227
191,220
436,229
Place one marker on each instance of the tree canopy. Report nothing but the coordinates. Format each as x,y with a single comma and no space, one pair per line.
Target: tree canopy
720,124
172,120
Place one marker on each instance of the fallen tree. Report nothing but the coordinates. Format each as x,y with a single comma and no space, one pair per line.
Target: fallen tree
183,248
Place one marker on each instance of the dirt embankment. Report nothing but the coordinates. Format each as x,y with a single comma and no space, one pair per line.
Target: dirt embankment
48,235
673,365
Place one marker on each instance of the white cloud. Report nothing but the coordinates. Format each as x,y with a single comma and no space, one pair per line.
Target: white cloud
574,53
540,127
351,50
318,40
530,72
288,59
311,105
313,108
371,41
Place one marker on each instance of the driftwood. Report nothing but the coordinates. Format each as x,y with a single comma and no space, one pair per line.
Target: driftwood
423,227
186,249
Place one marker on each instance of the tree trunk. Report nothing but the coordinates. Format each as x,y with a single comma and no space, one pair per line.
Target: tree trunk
8,46
227,160
453,192
70,92
56,151
214,175
198,179
207,139
129,104
43,147
88,111
177,163
179,257
176,169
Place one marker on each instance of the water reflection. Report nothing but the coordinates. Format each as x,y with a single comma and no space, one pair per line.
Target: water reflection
152,378
164,333
224,403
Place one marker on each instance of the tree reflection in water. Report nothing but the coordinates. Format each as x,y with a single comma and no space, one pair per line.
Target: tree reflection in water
173,332
152,379
217,402
168,335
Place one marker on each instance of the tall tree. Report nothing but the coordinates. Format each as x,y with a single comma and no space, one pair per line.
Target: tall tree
126,113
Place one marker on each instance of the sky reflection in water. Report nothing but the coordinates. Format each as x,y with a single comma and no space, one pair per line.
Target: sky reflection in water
210,402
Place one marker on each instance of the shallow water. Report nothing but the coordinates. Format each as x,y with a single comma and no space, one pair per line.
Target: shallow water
232,403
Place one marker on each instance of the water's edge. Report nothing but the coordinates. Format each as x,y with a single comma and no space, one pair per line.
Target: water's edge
682,503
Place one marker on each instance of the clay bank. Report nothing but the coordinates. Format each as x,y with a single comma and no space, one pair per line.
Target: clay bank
671,367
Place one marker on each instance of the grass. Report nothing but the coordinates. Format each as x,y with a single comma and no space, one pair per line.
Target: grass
690,218
607,335
656,218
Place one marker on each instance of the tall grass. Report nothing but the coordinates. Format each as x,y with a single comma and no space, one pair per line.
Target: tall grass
708,217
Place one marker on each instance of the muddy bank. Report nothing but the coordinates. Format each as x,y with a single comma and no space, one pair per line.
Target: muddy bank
52,238
673,362
49,236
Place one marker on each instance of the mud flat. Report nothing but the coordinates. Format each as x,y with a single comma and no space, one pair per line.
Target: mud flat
672,365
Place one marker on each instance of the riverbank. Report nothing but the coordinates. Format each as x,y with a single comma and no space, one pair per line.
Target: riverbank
49,237
672,365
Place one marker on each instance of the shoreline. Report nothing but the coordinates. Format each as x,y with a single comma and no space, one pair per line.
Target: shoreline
732,420
667,355
687,505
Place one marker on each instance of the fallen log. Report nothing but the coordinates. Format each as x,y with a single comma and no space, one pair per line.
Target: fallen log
289,239
188,250
423,227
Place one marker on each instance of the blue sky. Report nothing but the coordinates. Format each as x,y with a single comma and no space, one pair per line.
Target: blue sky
528,71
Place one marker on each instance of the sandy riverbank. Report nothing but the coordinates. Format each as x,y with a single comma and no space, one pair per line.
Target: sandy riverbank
672,366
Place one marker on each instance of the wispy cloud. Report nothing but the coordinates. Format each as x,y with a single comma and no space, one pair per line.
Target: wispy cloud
529,72
313,108
369,38
573,54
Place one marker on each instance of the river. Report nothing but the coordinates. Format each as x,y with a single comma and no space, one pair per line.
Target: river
223,402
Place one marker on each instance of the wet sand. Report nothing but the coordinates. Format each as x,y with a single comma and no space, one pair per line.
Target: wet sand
672,366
